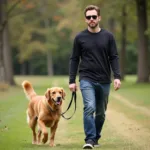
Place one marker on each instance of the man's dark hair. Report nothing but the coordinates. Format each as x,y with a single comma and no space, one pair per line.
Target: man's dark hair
92,7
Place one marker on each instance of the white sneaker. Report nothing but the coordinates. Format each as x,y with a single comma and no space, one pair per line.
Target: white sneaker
88,145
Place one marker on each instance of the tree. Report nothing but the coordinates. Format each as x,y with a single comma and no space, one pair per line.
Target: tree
143,69
7,50
6,69
2,71
36,35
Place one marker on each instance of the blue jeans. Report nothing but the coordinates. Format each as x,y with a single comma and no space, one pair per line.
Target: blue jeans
95,99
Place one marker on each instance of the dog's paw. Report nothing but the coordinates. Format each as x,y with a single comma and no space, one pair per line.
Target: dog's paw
52,145
45,138
34,142
38,143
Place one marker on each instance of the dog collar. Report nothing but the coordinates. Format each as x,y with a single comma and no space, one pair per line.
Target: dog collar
48,106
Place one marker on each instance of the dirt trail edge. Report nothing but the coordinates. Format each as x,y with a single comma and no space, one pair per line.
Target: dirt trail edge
131,105
129,129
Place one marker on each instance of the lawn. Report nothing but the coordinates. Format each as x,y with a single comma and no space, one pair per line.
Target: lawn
125,128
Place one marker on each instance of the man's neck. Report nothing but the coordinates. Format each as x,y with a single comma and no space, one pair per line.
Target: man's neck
94,30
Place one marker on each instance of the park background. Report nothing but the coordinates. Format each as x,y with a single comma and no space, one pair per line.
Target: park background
36,38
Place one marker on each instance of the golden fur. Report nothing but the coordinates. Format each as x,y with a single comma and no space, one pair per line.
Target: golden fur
44,110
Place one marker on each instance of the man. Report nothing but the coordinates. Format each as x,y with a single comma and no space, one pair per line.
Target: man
95,49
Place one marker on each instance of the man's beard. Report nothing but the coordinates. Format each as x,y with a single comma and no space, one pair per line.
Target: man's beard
93,26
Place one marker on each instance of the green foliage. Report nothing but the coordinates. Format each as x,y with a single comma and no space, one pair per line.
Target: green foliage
72,16
62,54
50,25
38,63
131,59
34,35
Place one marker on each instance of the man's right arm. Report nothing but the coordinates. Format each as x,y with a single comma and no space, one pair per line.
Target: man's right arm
73,64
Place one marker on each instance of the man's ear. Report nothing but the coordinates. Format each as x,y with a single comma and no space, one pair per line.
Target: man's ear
63,94
47,94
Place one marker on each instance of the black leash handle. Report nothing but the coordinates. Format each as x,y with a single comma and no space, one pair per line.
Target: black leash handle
74,97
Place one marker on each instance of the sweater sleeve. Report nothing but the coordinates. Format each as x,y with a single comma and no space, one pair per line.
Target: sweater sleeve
74,61
114,58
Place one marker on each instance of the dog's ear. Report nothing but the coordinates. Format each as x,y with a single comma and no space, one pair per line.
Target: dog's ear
47,94
63,93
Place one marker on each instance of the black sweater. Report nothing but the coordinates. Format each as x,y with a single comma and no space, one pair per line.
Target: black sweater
96,53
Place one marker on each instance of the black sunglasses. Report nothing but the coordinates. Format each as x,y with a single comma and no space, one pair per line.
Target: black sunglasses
89,17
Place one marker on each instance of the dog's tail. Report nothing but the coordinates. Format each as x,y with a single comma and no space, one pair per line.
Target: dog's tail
28,89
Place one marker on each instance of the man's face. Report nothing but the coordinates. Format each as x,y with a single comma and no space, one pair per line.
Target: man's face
92,19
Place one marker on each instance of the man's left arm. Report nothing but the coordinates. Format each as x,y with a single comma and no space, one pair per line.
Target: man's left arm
114,62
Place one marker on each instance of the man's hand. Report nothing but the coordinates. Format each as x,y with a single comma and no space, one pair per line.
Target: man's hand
73,87
117,84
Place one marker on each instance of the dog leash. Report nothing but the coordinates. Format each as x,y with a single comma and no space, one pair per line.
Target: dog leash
74,97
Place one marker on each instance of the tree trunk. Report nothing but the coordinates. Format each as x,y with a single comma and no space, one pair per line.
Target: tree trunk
49,63
49,53
7,52
31,70
2,70
8,57
123,42
23,69
143,71
111,23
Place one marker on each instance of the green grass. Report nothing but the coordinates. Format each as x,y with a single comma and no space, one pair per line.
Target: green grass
16,135
133,114
137,93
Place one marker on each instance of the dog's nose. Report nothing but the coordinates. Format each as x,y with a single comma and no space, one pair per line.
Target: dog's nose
58,99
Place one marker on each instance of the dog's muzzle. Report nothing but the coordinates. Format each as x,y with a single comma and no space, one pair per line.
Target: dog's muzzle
58,101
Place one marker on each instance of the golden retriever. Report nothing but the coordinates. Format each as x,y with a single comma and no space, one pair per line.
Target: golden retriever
44,110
